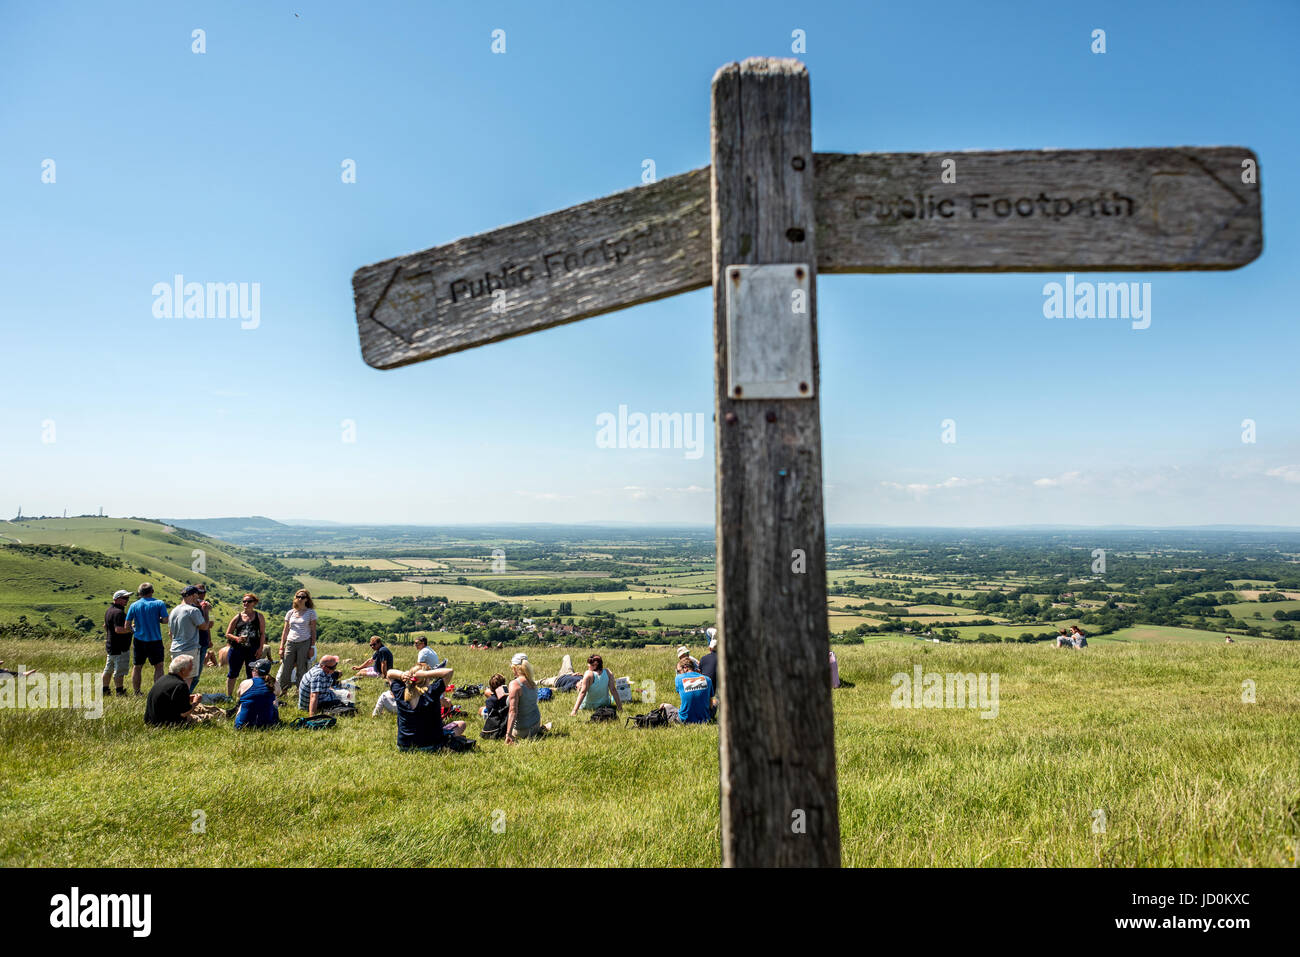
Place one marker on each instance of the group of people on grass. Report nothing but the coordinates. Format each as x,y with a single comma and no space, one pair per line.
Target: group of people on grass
417,696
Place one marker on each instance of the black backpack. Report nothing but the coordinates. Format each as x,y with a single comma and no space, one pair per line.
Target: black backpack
657,718
459,744
494,722
604,713
469,691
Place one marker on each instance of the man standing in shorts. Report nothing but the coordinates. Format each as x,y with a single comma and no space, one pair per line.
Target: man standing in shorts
117,641
146,616
186,624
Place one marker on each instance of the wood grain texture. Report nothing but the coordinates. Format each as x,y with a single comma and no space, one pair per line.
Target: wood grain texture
631,247
1179,208
777,740
1037,210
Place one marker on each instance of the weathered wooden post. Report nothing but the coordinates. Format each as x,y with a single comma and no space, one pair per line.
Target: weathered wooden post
779,803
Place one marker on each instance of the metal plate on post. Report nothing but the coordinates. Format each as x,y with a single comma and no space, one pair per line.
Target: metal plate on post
769,331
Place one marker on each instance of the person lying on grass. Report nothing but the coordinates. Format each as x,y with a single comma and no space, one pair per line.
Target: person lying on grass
597,689
525,719
418,695
15,674
566,680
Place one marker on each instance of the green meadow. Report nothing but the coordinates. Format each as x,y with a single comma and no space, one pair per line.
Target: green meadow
1152,738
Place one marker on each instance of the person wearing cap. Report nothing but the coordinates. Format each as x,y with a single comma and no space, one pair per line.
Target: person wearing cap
709,665
117,642
316,689
524,719
684,652
186,623
381,658
257,701
146,616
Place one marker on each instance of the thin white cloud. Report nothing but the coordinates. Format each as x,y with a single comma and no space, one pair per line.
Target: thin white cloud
1287,473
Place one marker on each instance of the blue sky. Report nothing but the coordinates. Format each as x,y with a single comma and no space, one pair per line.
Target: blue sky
225,166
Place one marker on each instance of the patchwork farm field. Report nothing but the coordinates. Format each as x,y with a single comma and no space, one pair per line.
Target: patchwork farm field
1155,735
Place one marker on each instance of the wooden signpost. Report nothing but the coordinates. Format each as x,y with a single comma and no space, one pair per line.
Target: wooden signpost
759,223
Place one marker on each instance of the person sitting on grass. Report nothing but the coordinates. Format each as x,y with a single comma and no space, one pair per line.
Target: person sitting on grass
695,691
597,689
380,658
169,701
425,655
684,652
496,688
257,701
1063,639
418,695
1077,637
316,690
525,719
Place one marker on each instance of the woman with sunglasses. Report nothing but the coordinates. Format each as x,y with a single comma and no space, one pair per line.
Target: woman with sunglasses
246,640
297,640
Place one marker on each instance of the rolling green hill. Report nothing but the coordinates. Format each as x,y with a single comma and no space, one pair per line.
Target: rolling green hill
87,559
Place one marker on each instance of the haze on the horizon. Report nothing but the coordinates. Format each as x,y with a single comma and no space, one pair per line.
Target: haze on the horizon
226,167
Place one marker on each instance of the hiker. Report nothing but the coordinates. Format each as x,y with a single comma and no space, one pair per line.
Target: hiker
418,694
297,640
695,691
597,689
245,641
205,635
525,719
685,653
257,702
146,616
709,664
835,670
425,655
1078,638
1063,639
186,623
566,680
316,689
381,659
117,641
170,701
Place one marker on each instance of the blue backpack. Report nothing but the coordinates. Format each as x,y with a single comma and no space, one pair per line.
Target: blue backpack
545,694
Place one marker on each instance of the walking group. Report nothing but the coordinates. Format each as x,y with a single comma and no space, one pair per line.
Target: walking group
419,696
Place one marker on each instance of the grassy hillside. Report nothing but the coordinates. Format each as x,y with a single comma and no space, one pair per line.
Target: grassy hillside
1156,736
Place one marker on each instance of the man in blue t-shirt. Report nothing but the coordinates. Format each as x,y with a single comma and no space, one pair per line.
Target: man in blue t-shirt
696,692
145,616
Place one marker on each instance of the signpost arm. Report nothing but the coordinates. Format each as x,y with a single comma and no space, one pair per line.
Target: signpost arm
778,789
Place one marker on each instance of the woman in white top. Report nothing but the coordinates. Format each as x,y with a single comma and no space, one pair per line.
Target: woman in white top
297,640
